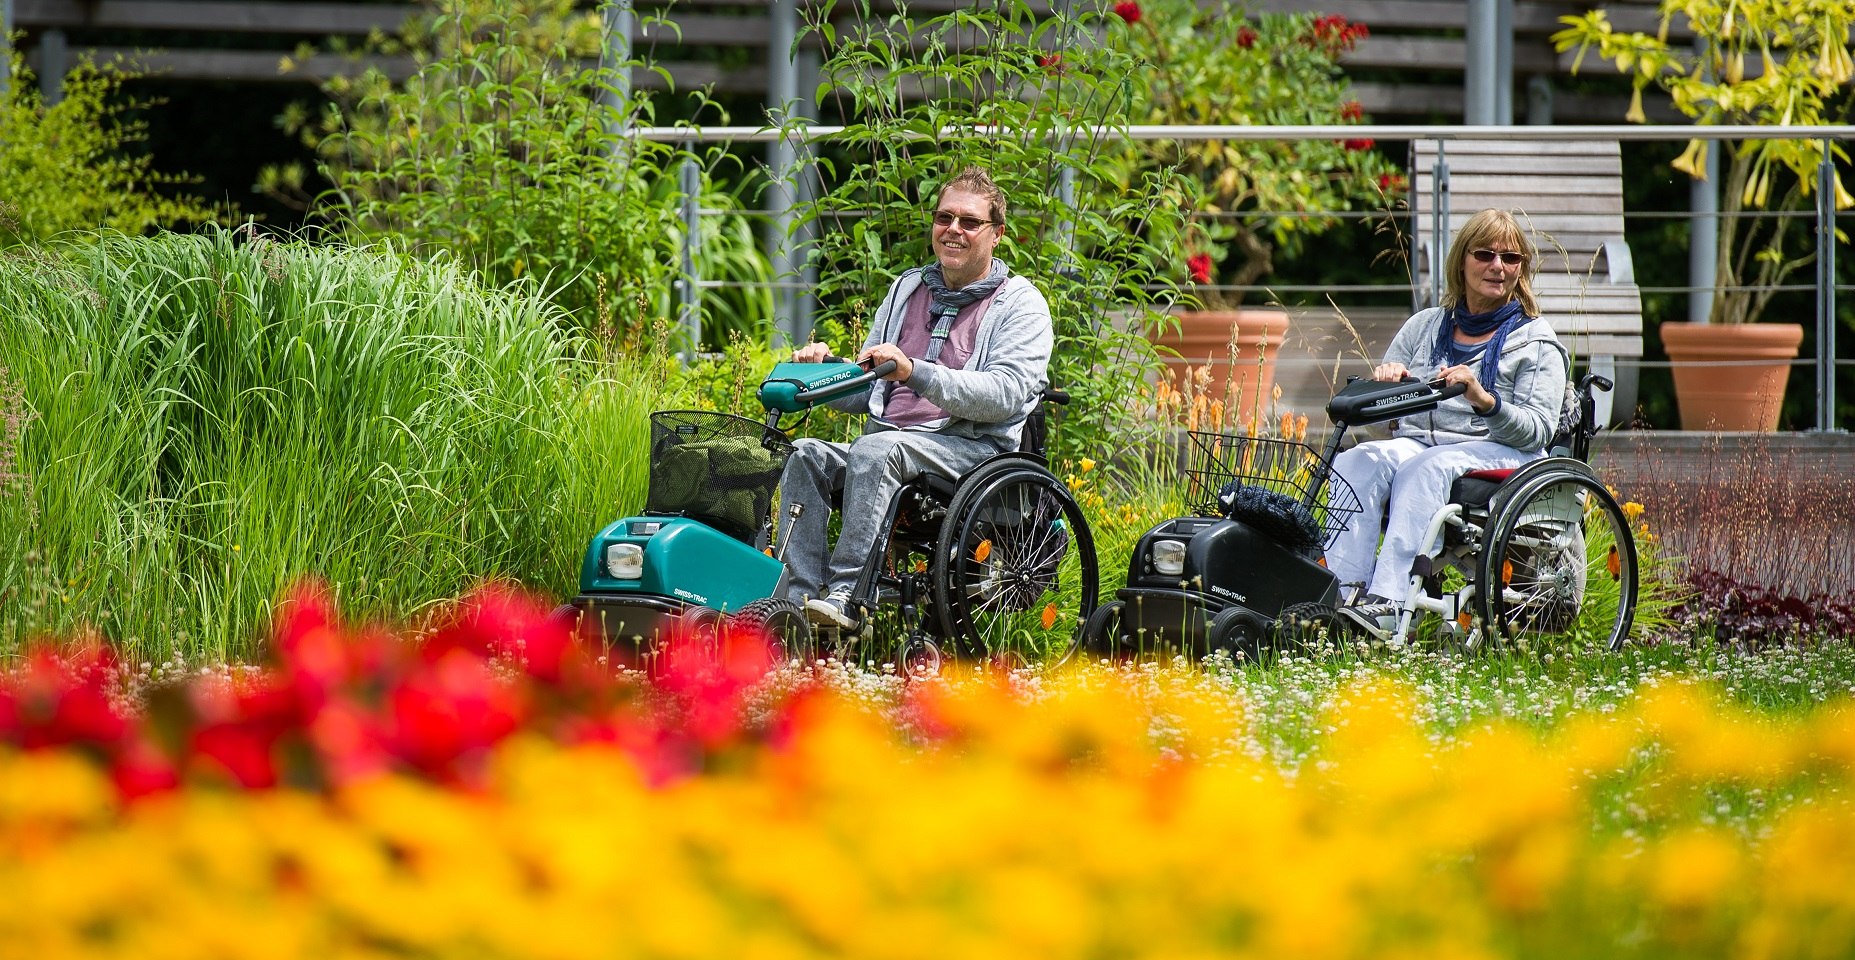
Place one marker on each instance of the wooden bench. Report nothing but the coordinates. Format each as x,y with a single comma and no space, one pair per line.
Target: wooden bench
1568,196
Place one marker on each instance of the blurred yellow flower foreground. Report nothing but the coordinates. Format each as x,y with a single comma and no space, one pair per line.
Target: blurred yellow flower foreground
1097,813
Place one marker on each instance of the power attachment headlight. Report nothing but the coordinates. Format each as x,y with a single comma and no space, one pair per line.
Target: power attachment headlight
1169,557
624,561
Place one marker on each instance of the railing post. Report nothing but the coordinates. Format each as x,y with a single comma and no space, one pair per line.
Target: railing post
1826,291
782,89
1504,62
54,60
6,45
1439,221
1704,238
1478,74
619,21
689,286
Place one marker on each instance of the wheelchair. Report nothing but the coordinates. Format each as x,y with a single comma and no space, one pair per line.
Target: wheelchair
1540,550
998,564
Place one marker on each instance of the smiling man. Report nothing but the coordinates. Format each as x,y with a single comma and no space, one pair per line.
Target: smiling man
971,344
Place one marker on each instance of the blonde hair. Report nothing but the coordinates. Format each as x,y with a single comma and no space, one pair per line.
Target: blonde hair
1484,229
977,181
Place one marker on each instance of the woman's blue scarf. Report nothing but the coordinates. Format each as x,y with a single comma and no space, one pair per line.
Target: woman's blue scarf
1503,320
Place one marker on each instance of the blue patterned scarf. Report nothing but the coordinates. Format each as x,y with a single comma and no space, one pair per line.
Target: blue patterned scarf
1503,320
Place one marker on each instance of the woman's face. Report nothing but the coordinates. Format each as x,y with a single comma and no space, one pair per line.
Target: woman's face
1492,273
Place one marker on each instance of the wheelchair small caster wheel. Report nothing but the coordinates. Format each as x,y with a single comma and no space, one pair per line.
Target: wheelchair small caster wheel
920,658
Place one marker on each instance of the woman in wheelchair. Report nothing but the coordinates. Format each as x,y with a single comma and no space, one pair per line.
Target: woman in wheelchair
1488,336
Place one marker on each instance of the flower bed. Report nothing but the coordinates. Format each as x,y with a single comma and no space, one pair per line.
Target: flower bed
496,790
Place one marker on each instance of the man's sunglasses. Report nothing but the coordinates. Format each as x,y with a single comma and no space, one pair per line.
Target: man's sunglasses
944,219
1509,257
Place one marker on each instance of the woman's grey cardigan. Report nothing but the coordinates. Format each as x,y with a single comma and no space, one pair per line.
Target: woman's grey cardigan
1531,384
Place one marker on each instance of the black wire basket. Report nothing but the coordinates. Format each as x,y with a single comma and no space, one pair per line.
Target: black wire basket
717,468
1288,476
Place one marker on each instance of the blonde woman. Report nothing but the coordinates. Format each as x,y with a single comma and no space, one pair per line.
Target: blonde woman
1489,337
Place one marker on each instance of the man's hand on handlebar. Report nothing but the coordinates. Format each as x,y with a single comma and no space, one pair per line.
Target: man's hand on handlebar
811,353
1390,372
904,367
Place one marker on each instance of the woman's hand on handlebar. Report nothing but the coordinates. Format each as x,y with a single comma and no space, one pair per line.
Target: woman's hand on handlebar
1390,372
811,353
1470,380
904,367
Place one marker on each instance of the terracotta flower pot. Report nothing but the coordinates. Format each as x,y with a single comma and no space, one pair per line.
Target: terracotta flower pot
1240,348
1739,397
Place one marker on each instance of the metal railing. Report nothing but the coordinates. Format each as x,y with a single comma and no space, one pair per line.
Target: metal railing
690,285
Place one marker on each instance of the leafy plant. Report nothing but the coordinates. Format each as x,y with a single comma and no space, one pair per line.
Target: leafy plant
507,149
72,165
1219,64
1033,100
1760,62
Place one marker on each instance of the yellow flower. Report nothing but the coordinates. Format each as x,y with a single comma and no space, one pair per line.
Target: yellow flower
1087,464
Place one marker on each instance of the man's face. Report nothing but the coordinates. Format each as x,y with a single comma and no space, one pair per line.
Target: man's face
962,252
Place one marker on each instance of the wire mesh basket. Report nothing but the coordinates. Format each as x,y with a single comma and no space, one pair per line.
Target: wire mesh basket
1282,471
715,467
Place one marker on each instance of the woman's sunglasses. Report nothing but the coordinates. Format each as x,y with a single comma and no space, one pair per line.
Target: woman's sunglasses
944,219
1509,257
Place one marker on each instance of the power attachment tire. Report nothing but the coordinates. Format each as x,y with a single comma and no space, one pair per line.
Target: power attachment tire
783,624
1242,633
1309,629
1101,634
1014,567
1559,560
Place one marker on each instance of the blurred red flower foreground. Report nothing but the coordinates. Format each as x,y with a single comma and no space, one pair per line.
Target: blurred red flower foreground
339,703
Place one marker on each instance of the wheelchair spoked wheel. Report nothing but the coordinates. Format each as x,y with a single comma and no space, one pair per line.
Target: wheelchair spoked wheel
1558,561
1013,572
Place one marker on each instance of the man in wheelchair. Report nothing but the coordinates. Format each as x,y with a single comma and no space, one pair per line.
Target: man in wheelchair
971,343
1488,336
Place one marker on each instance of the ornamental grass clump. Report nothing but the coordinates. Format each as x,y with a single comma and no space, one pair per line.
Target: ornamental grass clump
217,415
498,791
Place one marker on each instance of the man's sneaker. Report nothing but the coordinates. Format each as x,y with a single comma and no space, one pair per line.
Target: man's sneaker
833,610
1378,617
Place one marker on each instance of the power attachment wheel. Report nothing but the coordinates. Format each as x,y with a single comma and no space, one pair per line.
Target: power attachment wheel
1242,634
1014,567
1310,629
1558,561
783,624
1101,635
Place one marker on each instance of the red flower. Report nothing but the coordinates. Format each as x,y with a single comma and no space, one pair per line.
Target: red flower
451,710
1389,182
1332,31
1052,63
57,700
1246,38
1128,10
1351,110
1362,143
1200,266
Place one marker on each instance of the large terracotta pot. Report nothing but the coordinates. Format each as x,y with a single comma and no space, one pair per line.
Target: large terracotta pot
1745,396
1239,346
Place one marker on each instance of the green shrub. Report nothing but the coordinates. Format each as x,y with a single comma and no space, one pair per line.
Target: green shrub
1037,98
70,166
216,418
506,149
